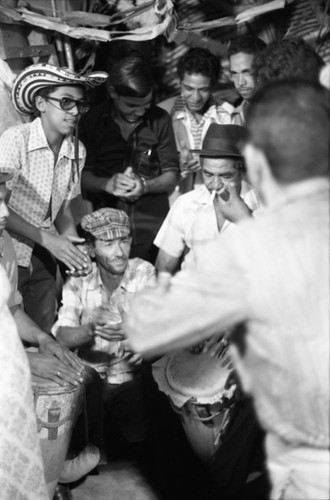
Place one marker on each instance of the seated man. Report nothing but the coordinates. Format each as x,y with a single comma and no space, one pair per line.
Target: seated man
199,216
90,318
195,109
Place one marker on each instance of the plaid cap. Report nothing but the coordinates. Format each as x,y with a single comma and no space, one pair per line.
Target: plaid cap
106,224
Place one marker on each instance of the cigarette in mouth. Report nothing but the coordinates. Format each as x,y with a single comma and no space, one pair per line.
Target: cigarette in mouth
213,195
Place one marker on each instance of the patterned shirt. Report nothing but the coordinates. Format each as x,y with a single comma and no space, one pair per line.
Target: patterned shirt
81,296
191,222
21,467
8,261
38,188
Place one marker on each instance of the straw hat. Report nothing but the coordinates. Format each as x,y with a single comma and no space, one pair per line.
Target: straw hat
221,141
37,76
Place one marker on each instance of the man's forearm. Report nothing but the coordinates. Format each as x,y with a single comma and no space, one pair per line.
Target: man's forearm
20,226
93,183
164,183
64,221
27,329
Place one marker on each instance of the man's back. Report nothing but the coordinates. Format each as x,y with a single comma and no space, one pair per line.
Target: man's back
284,275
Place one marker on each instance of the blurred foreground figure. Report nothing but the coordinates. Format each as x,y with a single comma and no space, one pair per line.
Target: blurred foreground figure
21,469
276,290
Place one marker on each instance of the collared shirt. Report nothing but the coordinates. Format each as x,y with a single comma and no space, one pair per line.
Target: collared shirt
191,222
80,298
38,188
9,262
21,471
272,275
238,115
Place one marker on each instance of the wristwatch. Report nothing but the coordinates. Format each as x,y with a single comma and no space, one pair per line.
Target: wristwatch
144,184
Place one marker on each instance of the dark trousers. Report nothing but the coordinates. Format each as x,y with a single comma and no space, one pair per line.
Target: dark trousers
37,284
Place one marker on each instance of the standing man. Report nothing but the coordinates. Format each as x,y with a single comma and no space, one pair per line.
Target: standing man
241,54
42,155
195,109
270,277
197,217
132,162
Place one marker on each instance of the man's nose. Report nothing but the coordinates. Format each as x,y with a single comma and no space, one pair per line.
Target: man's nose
141,111
3,211
74,111
241,79
217,183
196,95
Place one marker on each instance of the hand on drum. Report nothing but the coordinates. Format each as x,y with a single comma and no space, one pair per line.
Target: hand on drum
48,366
48,345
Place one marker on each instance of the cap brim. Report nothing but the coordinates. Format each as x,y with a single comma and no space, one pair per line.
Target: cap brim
215,153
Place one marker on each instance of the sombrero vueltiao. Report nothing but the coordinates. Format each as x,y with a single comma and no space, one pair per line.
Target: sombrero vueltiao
37,76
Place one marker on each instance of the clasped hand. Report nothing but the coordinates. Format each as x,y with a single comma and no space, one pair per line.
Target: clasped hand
127,185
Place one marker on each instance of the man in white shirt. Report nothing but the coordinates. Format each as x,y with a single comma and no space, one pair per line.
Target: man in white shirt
197,217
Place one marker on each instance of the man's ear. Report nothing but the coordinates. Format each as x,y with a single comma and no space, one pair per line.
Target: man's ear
256,164
40,104
90,249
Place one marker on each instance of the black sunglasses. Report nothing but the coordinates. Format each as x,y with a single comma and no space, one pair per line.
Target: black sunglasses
66,103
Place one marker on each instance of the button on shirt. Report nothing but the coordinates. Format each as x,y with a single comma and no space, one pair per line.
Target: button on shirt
81,296
38,189
191,222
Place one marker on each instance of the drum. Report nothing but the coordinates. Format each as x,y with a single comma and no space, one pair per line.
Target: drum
57,408
203,390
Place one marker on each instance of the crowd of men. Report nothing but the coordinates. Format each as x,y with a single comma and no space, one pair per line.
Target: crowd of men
238,256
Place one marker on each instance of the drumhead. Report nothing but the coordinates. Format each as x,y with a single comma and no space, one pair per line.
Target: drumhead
198,376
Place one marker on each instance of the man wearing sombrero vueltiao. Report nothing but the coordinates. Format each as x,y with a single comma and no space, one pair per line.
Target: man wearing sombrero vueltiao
46,167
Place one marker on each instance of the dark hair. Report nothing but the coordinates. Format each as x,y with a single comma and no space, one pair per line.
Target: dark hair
199,61
289,122
247,44
289,58
131,76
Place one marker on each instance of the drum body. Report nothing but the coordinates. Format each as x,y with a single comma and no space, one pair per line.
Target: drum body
203,391
57,408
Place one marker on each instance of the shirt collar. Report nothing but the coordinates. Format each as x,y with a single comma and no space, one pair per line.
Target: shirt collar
38,140
180,110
